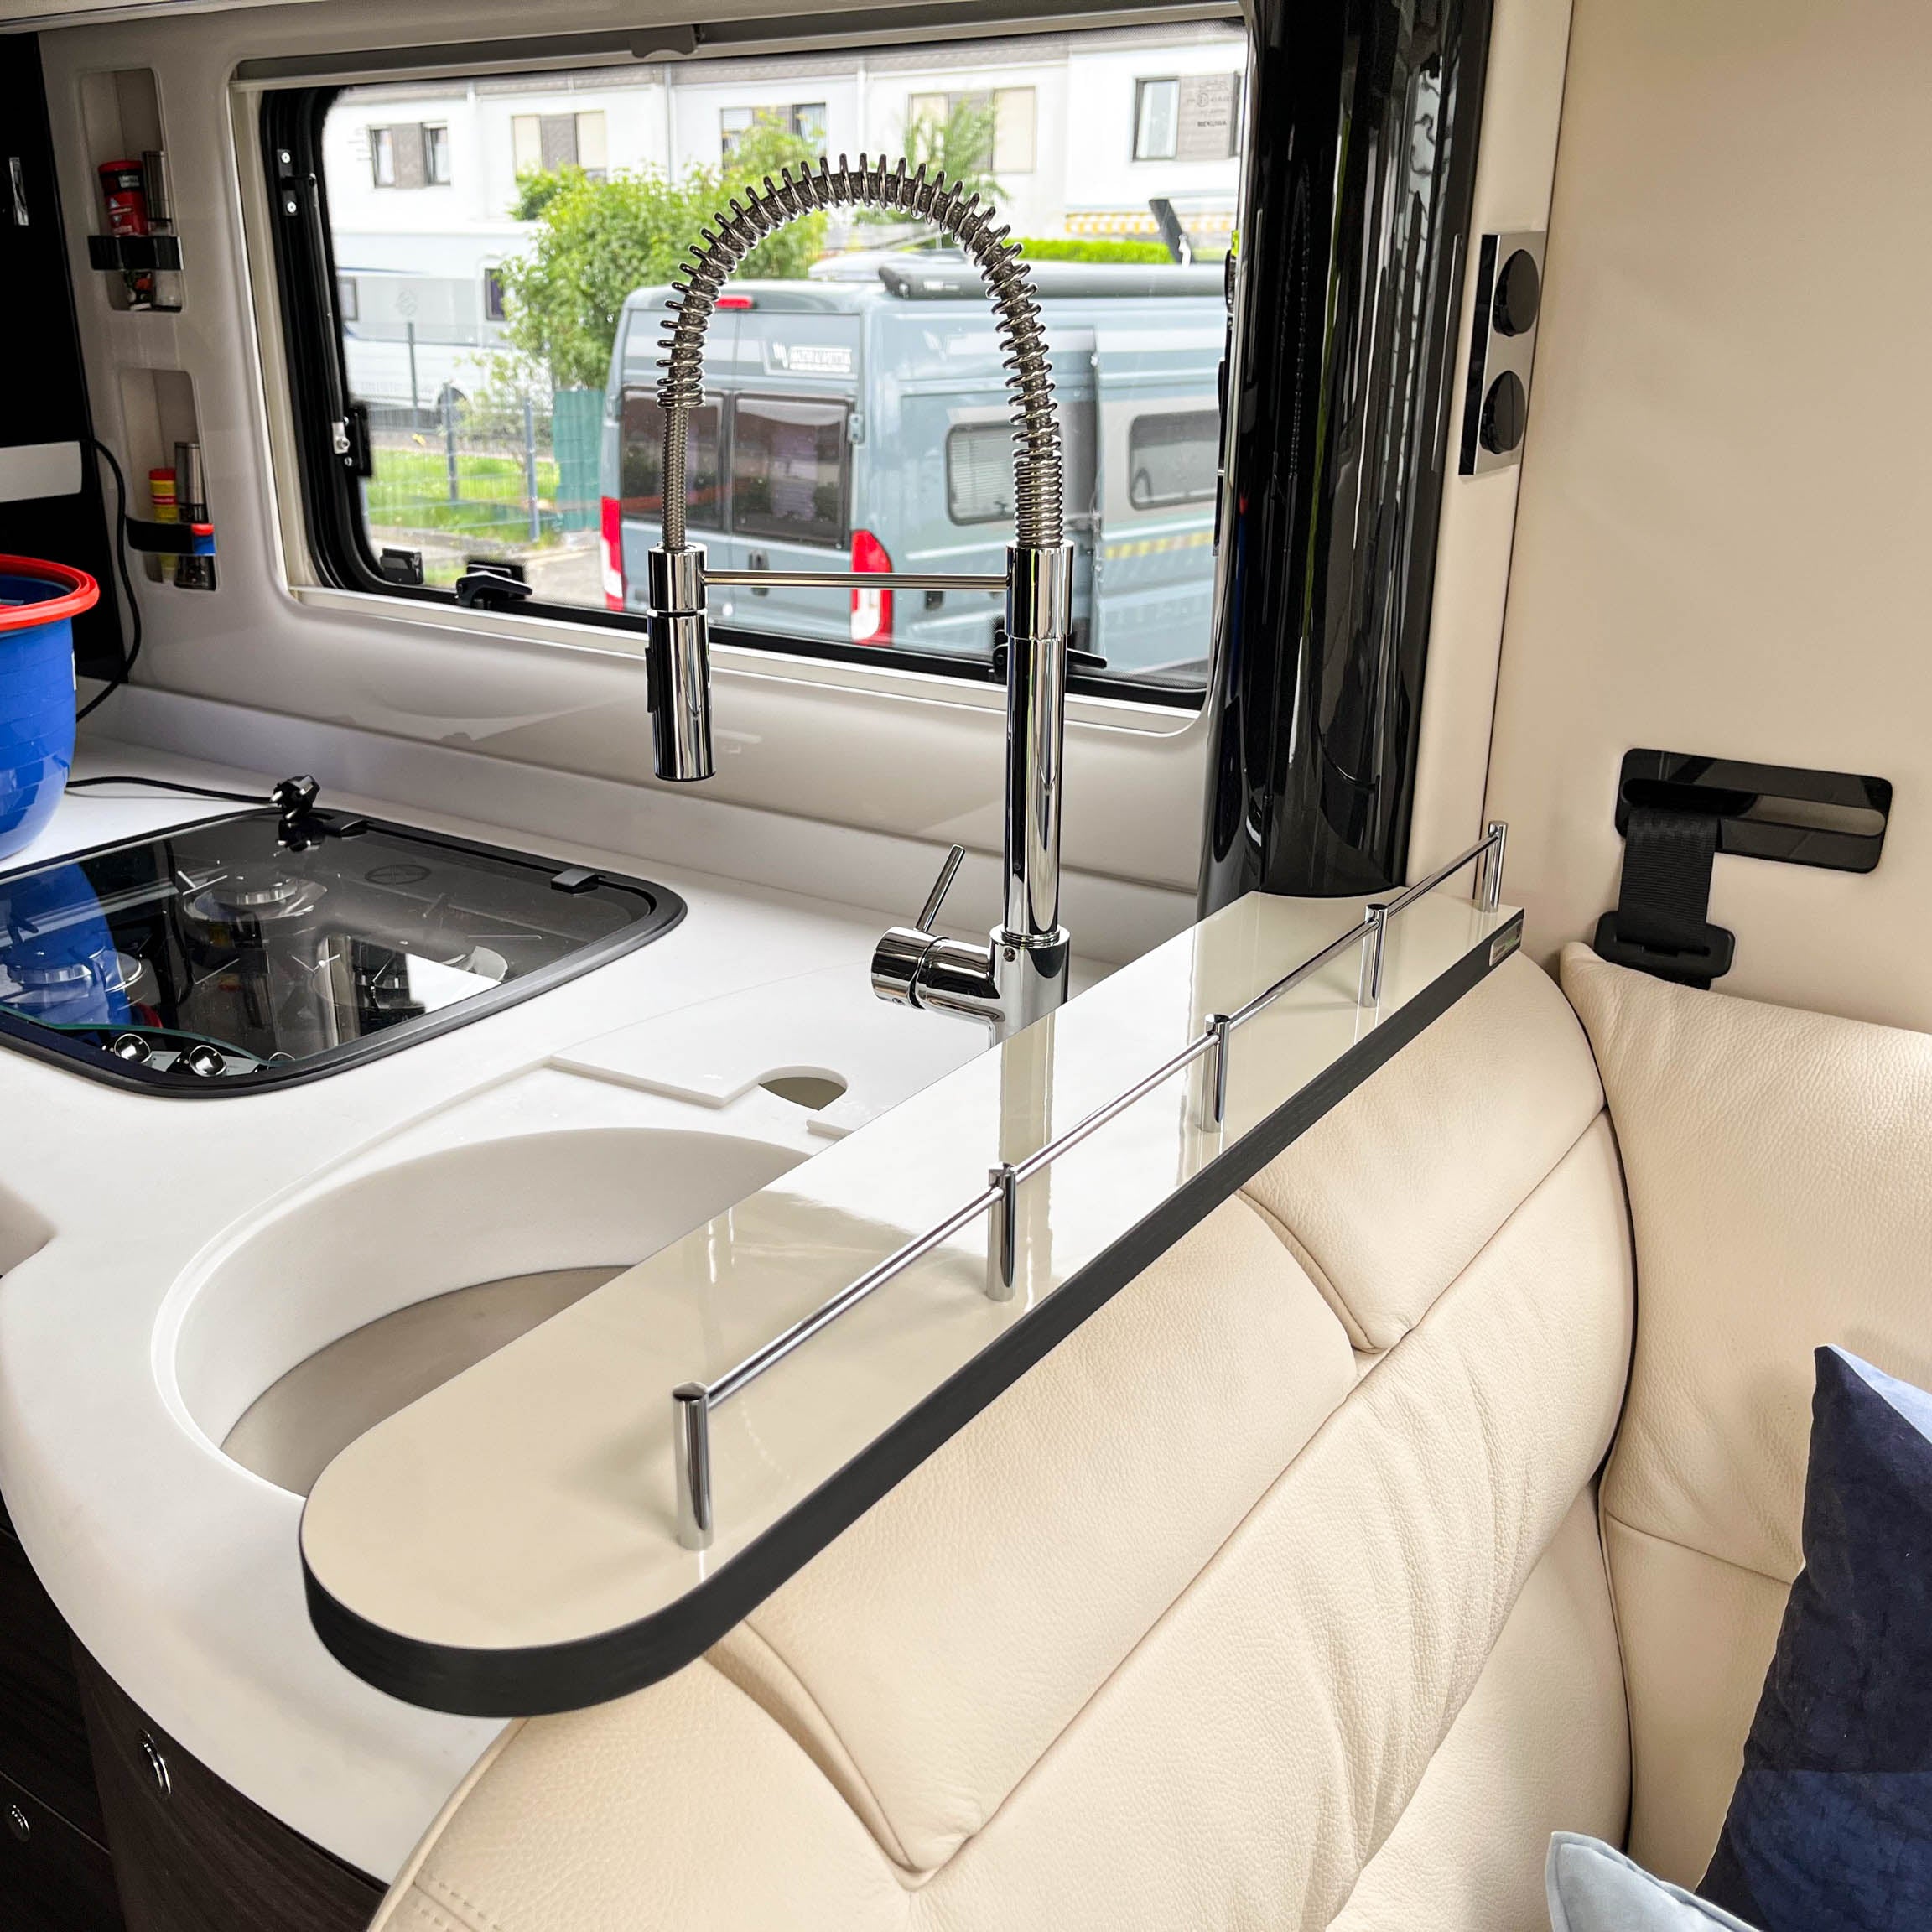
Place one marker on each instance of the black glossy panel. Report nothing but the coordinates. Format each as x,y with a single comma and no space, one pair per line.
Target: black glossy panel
1359,184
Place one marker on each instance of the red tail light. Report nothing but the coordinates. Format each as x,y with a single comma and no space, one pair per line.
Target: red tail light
871,609
611,540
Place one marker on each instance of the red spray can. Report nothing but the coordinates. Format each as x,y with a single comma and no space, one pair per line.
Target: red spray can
124,187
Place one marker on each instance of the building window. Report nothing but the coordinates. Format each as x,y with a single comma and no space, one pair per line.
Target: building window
806,119
543,143
1190,118
409,155
1008,144
348,298
493,309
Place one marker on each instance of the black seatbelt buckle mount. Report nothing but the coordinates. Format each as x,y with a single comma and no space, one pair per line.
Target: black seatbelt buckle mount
1695,965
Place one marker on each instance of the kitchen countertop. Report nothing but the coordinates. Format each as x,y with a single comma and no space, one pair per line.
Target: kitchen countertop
178,1568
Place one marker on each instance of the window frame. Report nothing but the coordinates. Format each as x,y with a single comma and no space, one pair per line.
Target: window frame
436,146
289,120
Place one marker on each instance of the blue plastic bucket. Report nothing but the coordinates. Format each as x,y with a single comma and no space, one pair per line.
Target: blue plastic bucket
39,603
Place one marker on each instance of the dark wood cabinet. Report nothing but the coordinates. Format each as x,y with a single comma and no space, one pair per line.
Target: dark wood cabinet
191,1853
53,1878
42,1736
108,1824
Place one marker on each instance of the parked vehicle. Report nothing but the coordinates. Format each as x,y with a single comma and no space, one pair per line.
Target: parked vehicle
866,426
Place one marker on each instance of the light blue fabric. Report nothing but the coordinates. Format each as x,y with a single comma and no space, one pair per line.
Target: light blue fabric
1592,1888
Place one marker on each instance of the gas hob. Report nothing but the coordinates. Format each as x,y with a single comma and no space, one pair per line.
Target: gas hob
266,948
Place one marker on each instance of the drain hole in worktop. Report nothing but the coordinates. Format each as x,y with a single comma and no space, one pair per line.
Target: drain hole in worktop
812,1091
297,1426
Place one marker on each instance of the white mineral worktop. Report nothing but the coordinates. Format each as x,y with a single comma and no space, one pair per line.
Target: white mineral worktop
178,1568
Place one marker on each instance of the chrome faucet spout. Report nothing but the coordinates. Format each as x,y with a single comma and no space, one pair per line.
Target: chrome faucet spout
1020,973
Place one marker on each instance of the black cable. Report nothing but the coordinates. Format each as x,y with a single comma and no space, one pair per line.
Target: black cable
170,785
122,676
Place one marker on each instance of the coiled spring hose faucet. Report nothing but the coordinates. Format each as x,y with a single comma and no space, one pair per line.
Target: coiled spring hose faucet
1020,973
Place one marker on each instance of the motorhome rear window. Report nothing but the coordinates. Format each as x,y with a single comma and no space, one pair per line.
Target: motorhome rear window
789,468
509,238
641,468
1173,459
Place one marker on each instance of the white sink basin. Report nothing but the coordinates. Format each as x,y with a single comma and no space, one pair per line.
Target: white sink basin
330,1314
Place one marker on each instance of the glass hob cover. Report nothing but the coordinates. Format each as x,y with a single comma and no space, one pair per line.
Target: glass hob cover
250,951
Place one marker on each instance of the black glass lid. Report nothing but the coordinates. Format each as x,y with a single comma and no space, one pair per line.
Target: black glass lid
251,951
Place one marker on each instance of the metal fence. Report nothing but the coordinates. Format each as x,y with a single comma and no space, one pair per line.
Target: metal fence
463,476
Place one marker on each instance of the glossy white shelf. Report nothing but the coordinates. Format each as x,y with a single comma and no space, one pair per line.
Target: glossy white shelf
510,1543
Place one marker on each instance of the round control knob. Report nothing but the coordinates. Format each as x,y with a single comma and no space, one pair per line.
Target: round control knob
1518,298
205,1060
1505,414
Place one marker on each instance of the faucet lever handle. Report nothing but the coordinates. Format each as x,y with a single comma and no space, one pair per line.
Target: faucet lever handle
948,871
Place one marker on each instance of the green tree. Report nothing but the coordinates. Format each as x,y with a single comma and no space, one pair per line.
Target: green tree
597,241
960,147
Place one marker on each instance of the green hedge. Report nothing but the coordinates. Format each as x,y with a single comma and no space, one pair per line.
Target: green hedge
1074,248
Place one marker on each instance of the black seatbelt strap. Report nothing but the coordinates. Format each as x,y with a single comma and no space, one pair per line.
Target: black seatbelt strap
1662,923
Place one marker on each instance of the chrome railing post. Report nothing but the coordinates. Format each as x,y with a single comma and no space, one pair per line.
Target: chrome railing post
691,1409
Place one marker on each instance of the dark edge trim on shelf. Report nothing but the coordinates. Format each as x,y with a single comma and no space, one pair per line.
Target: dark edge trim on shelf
667,910
588,1670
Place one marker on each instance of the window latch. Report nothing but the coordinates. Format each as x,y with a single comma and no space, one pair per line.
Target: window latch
485,590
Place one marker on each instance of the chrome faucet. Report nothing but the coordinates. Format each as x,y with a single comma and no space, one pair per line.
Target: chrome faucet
1020,973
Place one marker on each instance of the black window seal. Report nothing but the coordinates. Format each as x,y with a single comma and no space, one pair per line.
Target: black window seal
337,538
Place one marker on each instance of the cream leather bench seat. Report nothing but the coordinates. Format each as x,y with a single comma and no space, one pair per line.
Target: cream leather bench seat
1275,1596
1171,1634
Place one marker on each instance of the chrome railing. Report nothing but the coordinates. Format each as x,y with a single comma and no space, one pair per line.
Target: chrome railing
693,1402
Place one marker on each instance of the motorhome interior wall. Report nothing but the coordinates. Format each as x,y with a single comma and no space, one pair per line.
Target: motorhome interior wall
1720,543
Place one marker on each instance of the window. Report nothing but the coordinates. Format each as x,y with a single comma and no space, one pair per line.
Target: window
1173,459
980,473
788,469
1192,118
543,143
641,480
410,154
804,119
1011,144
851,422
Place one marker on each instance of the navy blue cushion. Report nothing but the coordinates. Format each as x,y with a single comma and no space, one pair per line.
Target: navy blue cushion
1829,1829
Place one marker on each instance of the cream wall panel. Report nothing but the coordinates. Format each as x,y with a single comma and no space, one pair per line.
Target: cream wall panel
1516,165
1720,544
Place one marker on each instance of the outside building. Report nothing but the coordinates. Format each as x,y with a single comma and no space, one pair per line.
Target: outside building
1088,130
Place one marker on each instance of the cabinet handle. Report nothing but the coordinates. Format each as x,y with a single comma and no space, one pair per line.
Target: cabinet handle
157,1765
18,1824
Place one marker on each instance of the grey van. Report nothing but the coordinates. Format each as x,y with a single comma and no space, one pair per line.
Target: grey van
864,426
